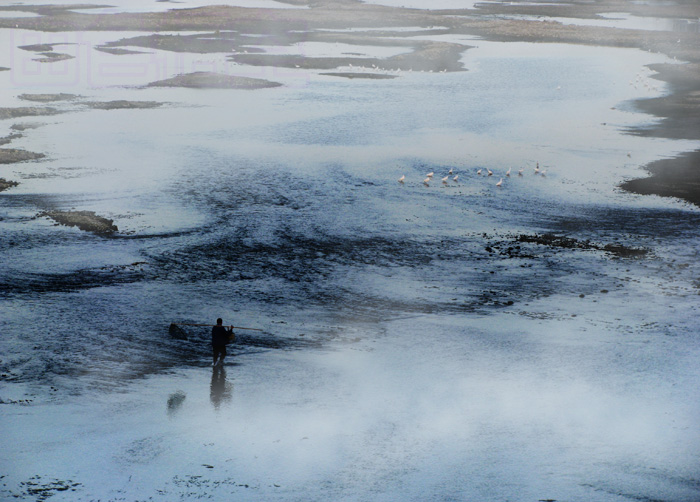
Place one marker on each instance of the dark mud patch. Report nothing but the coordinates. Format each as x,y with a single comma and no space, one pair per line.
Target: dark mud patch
48,98
208,80
37,47
2,68
26,126
554,241
679,114
87,221
313,271
680,110
78,280
52,57
12,155
47,53
49,10
40,489
324,13
5,184
192,485
677,177
122,104
198,44
27,111
18,402
118,51
9,138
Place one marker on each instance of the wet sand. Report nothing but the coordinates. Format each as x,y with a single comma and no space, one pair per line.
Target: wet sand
680,119
208,80
679,112
13,155
677,177
4,184
84,220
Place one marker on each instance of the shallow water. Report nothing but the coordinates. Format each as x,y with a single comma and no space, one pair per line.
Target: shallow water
406,349
624,20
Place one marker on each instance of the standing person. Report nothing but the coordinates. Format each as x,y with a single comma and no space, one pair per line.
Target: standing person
220,337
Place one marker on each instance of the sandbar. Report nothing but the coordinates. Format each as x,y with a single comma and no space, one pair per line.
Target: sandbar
85,220
27,111
12,155
47,98
5,184
209,80
122,104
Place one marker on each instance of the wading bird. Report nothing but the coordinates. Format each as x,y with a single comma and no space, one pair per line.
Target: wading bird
402,178
500,182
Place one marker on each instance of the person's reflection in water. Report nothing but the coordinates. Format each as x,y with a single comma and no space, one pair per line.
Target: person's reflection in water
220,388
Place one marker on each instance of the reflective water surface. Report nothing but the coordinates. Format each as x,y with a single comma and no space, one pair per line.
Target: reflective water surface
412,345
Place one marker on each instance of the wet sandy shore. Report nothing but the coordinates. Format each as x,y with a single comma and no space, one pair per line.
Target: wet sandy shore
234,28
84,220
500,365
208,80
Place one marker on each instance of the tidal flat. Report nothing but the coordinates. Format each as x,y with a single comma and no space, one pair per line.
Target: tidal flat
438,220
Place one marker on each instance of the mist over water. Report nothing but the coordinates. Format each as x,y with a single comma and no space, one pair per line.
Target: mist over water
412,347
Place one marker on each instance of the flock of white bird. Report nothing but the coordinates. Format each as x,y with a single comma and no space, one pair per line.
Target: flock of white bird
641,80
480,172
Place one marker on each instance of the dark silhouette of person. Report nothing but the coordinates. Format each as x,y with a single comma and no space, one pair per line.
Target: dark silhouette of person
220,337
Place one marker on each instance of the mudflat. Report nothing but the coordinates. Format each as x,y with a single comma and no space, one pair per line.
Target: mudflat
201,80
234,29
84,220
